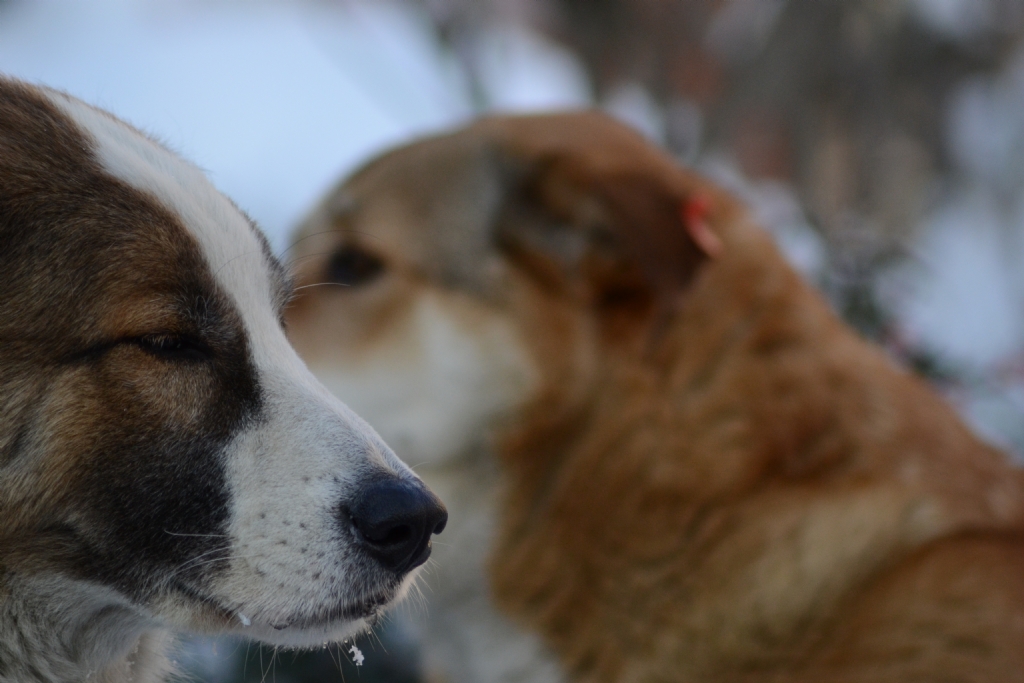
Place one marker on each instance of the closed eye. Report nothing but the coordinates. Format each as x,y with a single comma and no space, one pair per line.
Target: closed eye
173,347
351,266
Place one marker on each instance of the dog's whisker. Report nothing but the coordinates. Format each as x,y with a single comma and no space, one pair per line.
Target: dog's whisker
294,243
383,648
321,284
297,242
215,549
227,559
418,599
235,258
292,262
203,559
176,533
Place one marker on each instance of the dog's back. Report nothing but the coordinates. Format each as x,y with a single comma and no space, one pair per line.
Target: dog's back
707,475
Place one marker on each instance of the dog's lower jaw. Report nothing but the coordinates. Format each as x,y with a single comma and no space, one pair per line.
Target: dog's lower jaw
52,630
332,627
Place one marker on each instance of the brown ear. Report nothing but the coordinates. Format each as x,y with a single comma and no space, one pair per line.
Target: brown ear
621,234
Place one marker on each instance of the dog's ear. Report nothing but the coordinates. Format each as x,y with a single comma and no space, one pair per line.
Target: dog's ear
621,236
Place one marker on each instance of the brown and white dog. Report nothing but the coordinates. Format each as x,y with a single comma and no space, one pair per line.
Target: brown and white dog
166,460
704,475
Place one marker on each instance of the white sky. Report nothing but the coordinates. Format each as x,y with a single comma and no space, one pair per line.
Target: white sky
276,100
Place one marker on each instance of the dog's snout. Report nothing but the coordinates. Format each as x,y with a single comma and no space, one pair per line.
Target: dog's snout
395,520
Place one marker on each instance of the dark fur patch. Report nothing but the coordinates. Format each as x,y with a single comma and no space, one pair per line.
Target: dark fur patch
110,451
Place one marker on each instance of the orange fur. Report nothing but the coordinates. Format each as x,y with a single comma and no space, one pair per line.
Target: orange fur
715,479
715,509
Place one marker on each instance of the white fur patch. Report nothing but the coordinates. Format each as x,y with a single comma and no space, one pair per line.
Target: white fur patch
435,384
232,250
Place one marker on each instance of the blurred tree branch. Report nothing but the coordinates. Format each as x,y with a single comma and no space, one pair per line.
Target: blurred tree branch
844,99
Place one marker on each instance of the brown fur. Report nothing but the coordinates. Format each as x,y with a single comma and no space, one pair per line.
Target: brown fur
89,262
80,276
716,479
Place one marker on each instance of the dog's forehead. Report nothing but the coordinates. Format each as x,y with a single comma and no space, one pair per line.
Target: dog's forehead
235,251
434,203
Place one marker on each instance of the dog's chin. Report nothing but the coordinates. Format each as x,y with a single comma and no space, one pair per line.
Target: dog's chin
328,626
307,636
311,627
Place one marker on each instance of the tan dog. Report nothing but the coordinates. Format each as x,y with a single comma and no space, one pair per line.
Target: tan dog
705,475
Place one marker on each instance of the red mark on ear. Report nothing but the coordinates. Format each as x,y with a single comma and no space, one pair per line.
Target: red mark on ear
694,213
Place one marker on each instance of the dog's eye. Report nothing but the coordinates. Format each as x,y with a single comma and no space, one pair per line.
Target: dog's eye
352,267
173,347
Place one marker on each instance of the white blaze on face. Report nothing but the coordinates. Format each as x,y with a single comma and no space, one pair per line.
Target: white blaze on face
437,380
289,473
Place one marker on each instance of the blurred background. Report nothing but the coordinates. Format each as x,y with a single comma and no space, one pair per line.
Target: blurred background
882,141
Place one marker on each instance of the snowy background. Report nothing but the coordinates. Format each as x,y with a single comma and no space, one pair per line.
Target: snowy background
881,140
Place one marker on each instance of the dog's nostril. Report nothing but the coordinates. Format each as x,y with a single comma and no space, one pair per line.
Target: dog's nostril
394,519
399,534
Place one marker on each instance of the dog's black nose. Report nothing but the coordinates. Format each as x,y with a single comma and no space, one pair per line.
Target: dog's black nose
395,519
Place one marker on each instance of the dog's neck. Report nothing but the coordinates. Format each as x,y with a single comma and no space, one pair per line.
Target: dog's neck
54,632
698,483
